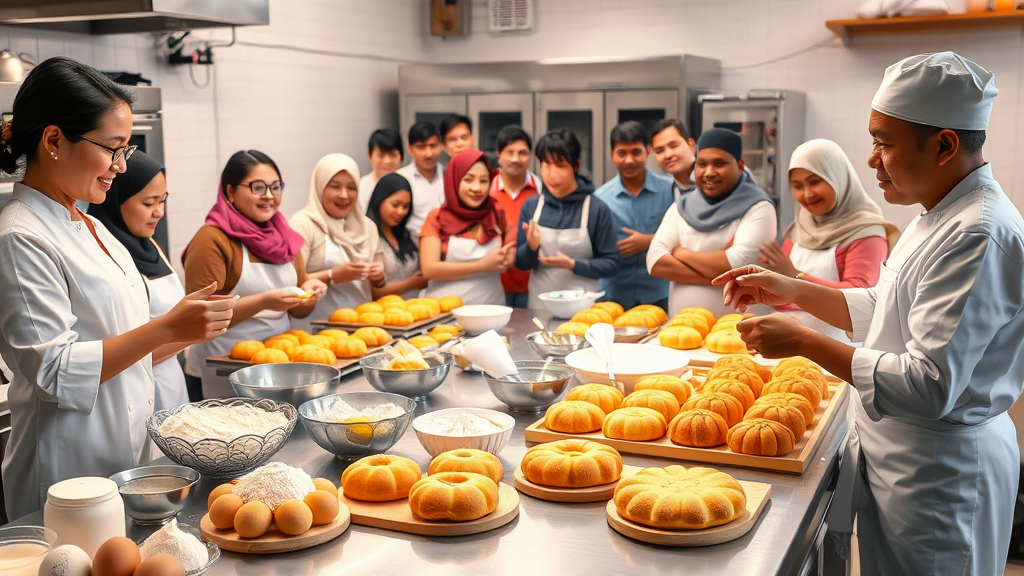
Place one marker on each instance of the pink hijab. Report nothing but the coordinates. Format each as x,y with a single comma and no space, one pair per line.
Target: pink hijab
274,241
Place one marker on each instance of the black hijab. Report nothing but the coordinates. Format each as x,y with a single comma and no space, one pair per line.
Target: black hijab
140,172
386,186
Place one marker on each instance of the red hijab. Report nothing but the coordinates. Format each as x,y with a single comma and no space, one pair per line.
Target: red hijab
454,217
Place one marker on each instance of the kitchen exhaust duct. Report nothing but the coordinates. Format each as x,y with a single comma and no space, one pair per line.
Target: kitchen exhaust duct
133,16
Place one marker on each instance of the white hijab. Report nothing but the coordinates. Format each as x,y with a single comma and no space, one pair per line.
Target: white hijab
355,233
854,216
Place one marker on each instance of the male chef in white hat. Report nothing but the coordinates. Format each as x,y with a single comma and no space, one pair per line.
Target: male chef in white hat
932,464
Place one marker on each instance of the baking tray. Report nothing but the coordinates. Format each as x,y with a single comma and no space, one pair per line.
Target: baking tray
406,331
795,462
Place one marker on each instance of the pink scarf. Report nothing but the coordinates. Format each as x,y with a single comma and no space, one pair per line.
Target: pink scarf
274,241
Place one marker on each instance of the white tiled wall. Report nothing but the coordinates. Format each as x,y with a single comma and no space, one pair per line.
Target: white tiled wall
839,81
295,106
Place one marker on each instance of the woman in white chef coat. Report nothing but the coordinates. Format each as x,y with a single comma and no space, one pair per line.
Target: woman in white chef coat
133,207
250,251
75,326
462,243
839,238
932,463
718,225
342,247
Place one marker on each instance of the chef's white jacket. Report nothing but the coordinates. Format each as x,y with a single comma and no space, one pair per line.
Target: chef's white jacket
933,460
60,296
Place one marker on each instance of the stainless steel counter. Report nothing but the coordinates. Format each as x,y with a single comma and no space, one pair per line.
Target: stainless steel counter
546,538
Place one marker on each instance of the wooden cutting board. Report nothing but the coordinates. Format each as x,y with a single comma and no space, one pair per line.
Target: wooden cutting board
794,462
404,331
274,542
396,515
555,494
757,497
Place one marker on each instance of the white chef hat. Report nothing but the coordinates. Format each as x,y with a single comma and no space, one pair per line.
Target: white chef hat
944,90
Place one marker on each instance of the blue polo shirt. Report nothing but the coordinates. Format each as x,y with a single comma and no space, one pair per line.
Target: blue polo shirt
643,213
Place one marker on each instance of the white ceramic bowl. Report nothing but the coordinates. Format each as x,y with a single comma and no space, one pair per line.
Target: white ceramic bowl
631,363
564,303
493,442
479,318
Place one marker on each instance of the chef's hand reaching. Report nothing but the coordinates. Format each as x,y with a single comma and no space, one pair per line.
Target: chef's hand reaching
197,319
559,260
755,285
375,273
774,336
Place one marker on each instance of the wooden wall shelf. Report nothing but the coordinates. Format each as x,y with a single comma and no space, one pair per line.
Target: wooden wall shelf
847,29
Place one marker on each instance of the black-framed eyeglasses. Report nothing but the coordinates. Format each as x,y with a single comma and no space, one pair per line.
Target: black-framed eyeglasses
259,187
115,153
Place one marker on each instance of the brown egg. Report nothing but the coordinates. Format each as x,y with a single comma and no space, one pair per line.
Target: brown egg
253,519
116,557
325,484
324,506
160,565
218,492
224,509
293,517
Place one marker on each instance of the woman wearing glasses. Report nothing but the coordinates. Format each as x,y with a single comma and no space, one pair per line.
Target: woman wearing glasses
74,316
249,250
342,247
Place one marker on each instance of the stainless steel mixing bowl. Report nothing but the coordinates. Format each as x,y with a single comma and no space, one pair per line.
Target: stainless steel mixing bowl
291,382
157,507
415,384
534,388
556,351
349,440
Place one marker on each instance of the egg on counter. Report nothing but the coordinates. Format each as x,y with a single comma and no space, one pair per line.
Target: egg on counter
224,509
66,560
293,517
118,556
325,484
218,492
160,565
253,519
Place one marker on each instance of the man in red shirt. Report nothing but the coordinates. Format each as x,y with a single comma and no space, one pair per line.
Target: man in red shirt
511,188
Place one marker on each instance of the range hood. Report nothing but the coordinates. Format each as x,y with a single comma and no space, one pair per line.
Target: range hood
131,16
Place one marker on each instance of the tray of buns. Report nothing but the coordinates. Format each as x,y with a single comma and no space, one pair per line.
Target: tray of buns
791,456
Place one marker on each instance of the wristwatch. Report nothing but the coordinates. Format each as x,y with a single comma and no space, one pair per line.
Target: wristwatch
330,276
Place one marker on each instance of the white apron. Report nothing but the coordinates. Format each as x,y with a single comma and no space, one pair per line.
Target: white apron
340,294
923,489
256,278
820,263
574,243
705,295
168,379
479,289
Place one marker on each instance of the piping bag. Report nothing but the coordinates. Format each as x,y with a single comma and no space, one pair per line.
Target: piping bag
489,353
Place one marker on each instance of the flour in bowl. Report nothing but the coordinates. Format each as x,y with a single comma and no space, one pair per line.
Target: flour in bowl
340,411
460,424
221,423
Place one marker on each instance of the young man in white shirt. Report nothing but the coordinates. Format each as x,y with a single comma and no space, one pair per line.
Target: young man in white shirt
425,174
386,155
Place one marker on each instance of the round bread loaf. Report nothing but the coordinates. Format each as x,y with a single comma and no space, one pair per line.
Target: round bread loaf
573,463
676,498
